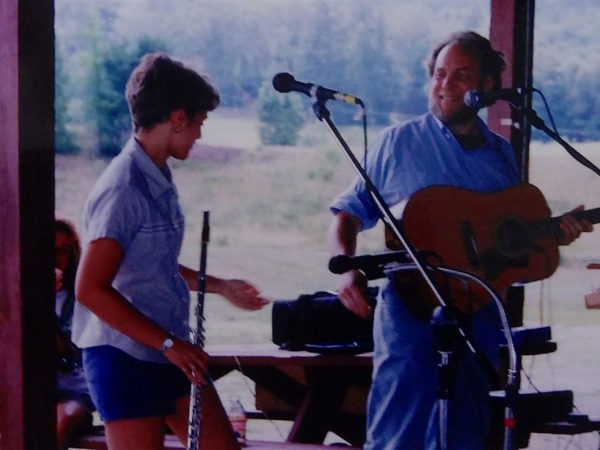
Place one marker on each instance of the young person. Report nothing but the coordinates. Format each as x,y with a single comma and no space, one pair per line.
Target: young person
133,296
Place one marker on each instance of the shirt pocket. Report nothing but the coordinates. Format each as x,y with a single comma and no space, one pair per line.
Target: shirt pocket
157,243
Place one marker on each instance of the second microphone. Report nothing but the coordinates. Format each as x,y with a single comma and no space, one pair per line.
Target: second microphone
285,82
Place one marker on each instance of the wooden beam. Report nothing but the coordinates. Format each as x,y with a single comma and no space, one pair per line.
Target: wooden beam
511,32
11,367
27,323
36,211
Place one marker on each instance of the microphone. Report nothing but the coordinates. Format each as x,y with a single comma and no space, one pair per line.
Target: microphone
285,82
480,99
343,263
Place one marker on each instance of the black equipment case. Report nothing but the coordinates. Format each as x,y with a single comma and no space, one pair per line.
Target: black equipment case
319,322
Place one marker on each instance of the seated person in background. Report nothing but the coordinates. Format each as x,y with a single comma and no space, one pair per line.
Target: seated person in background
74,406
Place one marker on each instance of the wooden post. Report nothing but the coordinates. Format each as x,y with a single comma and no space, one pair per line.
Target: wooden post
11,368
27,323
511,32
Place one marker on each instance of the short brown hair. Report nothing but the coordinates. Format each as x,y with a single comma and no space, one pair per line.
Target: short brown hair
491,62
67,227
160,85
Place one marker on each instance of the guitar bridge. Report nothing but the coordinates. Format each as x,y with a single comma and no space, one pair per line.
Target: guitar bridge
470,245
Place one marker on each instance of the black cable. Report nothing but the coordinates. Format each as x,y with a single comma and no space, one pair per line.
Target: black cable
547,107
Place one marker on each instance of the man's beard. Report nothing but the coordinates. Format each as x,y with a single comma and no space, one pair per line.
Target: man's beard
463,115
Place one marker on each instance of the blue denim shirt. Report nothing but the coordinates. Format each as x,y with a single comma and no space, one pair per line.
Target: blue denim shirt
408,157
136,204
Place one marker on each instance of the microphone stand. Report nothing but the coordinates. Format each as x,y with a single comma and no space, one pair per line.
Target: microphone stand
446,331
538,123
323,114
444,325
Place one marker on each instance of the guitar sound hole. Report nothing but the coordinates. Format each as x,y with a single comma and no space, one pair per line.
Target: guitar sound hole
512,237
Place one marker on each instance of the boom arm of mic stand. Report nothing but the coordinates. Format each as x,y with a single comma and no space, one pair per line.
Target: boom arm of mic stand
512,386
538,123
386,215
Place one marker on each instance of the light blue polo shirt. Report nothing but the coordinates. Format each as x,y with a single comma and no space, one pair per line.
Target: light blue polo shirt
136,204
407,157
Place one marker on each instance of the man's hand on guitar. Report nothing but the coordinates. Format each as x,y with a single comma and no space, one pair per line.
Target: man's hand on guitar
352,293
571,228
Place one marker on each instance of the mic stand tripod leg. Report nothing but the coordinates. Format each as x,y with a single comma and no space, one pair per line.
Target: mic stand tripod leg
512,387
445,332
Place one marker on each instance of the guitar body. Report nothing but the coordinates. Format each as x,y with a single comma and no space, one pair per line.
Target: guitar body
486,235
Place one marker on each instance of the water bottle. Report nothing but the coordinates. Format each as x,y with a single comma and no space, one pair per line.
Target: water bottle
237,418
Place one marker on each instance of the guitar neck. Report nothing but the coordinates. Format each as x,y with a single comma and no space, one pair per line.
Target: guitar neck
591,215
551,227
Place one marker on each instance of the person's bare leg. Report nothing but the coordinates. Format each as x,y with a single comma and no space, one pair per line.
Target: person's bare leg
139,434
216,431
71,418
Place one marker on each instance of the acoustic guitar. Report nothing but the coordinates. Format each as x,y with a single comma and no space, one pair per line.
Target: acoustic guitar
502,238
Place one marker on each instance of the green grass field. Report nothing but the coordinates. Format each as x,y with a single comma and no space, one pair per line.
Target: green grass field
269,220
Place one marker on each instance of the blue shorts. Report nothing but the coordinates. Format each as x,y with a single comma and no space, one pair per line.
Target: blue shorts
123,387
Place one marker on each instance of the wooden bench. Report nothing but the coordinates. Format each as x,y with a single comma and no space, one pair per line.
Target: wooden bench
97,441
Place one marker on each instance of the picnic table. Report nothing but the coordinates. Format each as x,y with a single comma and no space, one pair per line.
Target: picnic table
318,392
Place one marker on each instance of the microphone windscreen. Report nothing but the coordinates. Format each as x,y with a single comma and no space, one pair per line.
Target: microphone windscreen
282,82
340,264
472,99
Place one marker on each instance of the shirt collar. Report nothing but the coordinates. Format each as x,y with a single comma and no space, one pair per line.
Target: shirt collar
488,135
158,181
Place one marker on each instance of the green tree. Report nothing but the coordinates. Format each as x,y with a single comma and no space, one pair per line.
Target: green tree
280,116
109,76
64,141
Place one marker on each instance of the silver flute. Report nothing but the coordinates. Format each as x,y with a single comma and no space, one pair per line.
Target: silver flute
196,321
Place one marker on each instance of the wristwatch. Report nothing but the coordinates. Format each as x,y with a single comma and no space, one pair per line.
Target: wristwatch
167,343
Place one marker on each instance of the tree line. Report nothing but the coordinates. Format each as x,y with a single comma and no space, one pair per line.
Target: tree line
372,49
